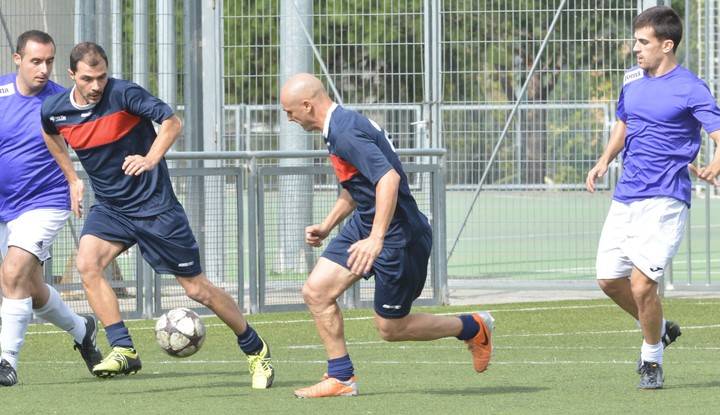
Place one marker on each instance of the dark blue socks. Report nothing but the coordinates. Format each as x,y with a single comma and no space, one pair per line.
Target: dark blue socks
118,335
470,327
249,341
340,368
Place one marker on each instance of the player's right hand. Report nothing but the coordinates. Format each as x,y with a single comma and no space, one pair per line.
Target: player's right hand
77,189
596,172
314,235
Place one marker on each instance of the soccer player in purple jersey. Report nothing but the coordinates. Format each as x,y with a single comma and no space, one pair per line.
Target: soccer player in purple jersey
661,108
386,235
108,122
34,207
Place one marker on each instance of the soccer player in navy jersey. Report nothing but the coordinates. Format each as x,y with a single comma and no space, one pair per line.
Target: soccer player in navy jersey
34,207
386,235
108,122
661,108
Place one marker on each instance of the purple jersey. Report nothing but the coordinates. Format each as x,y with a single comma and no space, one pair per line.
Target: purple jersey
361,154
663,116
29,176
102,136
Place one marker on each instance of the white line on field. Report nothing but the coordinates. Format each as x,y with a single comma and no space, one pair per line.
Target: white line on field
257,323
576,333
507,310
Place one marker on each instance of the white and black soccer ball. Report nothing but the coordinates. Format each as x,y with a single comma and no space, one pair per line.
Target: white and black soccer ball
180,332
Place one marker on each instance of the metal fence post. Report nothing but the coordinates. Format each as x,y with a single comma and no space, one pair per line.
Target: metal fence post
252,236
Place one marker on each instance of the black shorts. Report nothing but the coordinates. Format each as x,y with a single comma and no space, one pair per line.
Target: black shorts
400,273
165,240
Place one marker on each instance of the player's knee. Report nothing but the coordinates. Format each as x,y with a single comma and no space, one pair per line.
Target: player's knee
198,292
388,330
88,267
644,291
311,296
10,273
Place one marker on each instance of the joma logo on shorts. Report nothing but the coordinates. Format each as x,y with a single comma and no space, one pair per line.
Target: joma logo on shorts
186,264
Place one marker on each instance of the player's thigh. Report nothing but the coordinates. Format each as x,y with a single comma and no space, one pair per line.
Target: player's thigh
168,244
400,276
328,280
612,261
661,227
35,231
104,236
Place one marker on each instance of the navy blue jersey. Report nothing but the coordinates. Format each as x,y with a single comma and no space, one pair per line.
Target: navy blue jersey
361,154
118,126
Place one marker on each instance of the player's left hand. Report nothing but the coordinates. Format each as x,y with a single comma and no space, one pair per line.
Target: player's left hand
363,254
135,165
708,174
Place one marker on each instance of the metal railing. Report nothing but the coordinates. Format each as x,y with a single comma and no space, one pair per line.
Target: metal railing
237,214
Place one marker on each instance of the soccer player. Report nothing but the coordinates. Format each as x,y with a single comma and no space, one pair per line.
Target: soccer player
387,236
34,207
661,108
108,122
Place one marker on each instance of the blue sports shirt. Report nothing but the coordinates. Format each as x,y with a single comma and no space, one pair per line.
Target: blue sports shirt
361,154
29,176
663,116
103,134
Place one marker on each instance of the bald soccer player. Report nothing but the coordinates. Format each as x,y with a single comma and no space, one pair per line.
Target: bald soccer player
386,236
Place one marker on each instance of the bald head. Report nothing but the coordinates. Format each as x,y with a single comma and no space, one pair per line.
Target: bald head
302,86
305,100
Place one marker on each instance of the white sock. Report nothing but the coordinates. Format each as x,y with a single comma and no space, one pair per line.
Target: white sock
59,314
16,315
652,352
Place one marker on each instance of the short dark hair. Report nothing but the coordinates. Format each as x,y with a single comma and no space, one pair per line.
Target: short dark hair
89,52
664,21
34,35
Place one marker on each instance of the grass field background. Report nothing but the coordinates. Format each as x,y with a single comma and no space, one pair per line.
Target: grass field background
550,358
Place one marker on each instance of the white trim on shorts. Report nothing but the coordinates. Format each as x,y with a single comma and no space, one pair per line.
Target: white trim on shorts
33,231
645,234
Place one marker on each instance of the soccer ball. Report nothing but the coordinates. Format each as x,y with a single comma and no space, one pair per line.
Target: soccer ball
180,332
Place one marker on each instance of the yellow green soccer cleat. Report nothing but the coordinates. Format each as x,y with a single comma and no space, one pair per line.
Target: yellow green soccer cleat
121,360
261,369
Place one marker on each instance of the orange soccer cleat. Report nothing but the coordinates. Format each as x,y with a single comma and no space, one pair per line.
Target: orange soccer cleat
329,387
481,345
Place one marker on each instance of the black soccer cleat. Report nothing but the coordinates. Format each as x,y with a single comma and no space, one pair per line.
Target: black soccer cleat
88,349
672,332
8,375
651,376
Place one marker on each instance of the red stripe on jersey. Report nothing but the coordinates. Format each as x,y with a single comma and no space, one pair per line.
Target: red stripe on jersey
343,170
104,130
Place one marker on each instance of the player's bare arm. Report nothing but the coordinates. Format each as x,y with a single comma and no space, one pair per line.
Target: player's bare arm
135,165
710,172
315,234
364,252
58,149
615,145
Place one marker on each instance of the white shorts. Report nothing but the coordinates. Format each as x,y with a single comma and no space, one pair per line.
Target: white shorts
33,231
645,234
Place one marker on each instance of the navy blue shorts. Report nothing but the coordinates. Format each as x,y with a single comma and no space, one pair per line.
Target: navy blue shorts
400,273
165,240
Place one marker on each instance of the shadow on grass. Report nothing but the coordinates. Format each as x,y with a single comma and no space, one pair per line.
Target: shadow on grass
143,376
478,391
711,384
